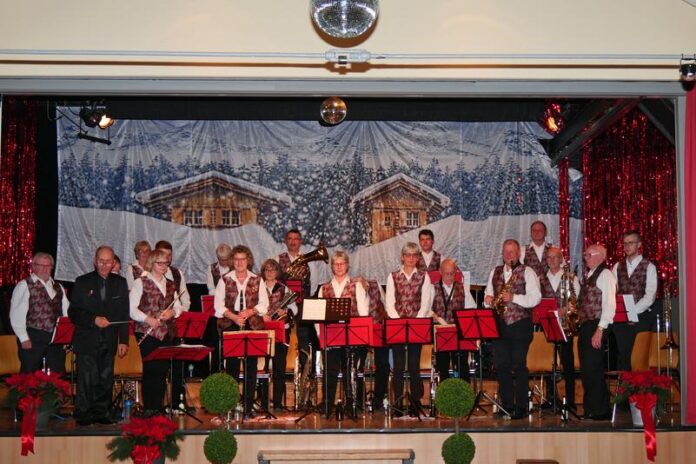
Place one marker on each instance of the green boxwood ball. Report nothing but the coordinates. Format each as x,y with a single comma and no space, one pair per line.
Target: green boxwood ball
454,398
219,393
459,448
220,447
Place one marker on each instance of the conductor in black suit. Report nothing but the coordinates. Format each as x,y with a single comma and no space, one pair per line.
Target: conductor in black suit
99,298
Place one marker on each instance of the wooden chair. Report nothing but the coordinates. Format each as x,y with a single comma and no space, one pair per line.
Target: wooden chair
640,355
539,363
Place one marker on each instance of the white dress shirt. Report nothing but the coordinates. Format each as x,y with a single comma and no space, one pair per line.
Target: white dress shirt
607,284
532,295
19,305
555,281
360,294
220,308
427,295
210,282
136,293
129,273
427,257
648,299
539,250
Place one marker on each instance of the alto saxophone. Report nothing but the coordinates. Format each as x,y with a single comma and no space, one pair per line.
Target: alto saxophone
498,303
571,319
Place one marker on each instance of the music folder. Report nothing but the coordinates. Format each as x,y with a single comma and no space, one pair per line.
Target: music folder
191,325
63,332
417,330
446,338
476,324
552,327
250,343
540,310
326,309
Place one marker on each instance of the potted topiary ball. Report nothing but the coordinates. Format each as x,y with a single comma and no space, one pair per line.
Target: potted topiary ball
220,447
455,398
219,393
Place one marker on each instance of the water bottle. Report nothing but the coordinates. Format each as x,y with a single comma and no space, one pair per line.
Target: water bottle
530,404
190,370
385,405
495,402
182,404
127,406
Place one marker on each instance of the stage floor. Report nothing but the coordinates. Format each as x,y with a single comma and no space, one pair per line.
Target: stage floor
539,437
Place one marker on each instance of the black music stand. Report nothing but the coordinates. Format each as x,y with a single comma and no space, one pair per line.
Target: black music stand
405,331
478,324
553,331
324,310
178,353
245,344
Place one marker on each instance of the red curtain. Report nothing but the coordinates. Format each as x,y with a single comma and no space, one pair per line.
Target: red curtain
629,182
17,187
690,248
564,207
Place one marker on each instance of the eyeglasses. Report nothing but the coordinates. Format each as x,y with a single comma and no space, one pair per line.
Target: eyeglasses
162,263
269,269
589,255
632,242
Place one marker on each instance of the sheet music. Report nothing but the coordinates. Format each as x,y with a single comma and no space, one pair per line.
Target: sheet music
630,305
560,325
314,310
185,345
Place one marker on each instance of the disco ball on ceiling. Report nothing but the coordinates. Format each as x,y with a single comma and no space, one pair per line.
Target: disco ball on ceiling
333,110
344,19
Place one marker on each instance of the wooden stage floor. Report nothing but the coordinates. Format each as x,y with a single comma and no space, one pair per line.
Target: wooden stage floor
497,440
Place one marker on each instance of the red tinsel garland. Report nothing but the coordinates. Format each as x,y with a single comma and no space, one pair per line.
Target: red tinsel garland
17,187
629,182
564,208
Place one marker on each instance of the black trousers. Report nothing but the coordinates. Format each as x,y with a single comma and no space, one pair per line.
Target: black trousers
32,359
337,361
510,360
278,372
596,396
400,364
456,360
95,382
155,375
381,376
232,367
624,335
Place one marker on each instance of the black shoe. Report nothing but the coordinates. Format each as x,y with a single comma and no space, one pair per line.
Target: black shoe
105,420
500,415
398,413
546,405
520,414
83,421
249,415
601,417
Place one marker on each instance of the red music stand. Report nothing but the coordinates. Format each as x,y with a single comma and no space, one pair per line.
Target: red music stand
446,337
540,310
296,286
191,325
249,344
358,332
63,332
278,328
478,324
208,304
179,353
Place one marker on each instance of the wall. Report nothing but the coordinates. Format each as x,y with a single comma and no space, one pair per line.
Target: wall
91,30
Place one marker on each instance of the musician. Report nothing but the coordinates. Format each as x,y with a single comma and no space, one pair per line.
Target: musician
638,277
117,265
449,296
551,288
342,286
517,286
99,310
270,270
136,268
429,258
596,308
534,255
306,333
222,266
409,294
154,304
240,295
37,303
175,275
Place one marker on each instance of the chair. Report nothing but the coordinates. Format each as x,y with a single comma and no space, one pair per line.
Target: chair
539,362
9,360
640,355
130,367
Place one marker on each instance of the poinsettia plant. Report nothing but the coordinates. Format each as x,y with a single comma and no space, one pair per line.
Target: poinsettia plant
146,439
634,385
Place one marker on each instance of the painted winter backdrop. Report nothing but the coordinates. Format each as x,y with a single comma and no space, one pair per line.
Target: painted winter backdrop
496,175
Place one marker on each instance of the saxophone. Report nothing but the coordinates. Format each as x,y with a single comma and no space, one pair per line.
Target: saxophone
571,319
498,304
305,385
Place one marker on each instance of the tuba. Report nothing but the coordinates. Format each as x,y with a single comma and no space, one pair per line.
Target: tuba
299,269
571,319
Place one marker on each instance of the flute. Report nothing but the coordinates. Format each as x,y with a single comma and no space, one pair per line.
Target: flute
177,296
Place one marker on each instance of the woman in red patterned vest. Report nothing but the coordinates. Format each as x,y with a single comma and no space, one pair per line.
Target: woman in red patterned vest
154,304
239,295
409,294
342,286
134,270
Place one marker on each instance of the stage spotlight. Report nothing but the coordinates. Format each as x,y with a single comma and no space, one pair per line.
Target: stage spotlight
552,120
687,70
333,110
95,117
344,19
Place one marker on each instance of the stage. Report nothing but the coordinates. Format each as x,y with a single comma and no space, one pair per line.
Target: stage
497,440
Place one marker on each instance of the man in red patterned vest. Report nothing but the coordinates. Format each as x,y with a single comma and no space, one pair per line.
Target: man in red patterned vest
634,276
239,295
534,255
596,308
342,286
409,294
429,259
219,268
134,270
37,303
518,286
449,296
174,274
551,288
